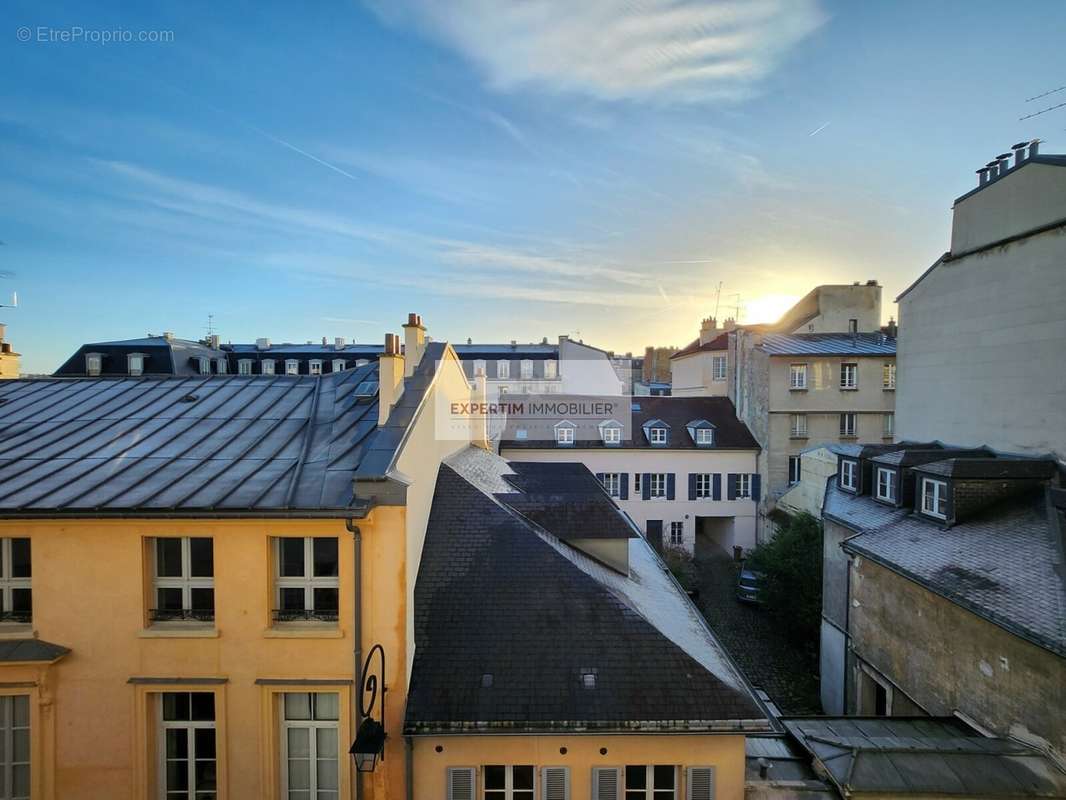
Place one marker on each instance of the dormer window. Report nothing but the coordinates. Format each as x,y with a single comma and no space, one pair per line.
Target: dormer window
701,432
220,364
361,362
611,432
292,366
267,366
244,366
564,433
205,365
935,498
479,367
886,484
93,364
503,369
339,365
657,435
314,367
135,363
551,369
704,436
526,366
849,475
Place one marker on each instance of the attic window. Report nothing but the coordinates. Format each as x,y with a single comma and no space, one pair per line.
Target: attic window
611,432
366,389
849,471
205,365
135,362
588,679
657,435
564,433
93,363
704,436
487,680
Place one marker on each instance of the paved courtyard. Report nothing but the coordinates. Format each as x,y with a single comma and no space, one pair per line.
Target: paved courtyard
770,662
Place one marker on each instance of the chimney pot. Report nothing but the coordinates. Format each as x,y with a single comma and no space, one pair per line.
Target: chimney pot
993,169
1034,148
982,176
392,344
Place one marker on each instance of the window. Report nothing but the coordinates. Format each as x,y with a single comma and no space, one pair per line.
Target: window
935,498
244,366
657,484
704,481
267,366
848,423
797,376
306,579
508,783
886,484
849,376
15,747
220,366
853,326
551,369
718,368
677,533
183,583
612,434
888,375
657,435
503,369
187,754
743,485
653,782
314,367
361,362
93,364
292,366
636,483
479,367
705,436
889,424
849,471
797,426
310,745
564,434
135,361
526,367
612,482
339,365
205,366
794,470
16,594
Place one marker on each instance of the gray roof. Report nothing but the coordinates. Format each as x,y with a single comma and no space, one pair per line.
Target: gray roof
925,756
828,344
990,468
326,351
1004,564
16,650
184,445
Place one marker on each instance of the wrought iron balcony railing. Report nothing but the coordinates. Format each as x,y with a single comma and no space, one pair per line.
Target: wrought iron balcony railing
181,614
305,615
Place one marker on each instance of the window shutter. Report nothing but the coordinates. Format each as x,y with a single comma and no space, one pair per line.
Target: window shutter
692,486
670,488
731,486
460,783
716,484
756,487
555,783
700,783
623,486
645,485
606,783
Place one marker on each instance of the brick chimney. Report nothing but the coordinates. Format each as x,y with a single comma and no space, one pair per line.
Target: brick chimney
390,377
414,343
708,329
730,324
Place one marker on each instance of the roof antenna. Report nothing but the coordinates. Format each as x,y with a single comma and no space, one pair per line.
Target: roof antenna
717,299
210,324
5,273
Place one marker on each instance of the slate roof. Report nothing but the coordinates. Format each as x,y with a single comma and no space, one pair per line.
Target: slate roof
1004,564
990,468
913,456
828,344
16,650
729,434
163,356
923,756
497,596
184,445
719,342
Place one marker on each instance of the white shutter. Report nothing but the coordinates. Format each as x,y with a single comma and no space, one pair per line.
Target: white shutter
460,783
700,783
606,783
555,783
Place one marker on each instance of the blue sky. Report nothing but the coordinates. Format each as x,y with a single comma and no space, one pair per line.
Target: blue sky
508,170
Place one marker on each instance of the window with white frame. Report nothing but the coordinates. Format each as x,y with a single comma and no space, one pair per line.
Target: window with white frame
361,362
612,482
188,748
853,326
220,366
888,424
564,434
310,745
797,427
183,579
886,484
135,362
743,485
526,367
848,423
244,366
718,368
651,782
657,484
794,469
292,366
797,376
849,475
704,485
636,483
657,435
314,367
93,364
705,436
551,369
306,579
267,366
849,376
339,365
506,782
677,533
15,747
205,365
16,579
503,369
888,375
935,498
479,367
612,434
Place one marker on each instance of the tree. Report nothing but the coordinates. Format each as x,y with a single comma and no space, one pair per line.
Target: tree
791,563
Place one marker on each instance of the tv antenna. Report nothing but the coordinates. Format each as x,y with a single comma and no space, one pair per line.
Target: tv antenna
210,324
717,299
6,273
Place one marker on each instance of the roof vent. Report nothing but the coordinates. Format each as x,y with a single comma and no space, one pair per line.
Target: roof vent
487,680
588,679
190,398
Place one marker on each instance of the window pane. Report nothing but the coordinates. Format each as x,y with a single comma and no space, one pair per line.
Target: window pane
169,599
205,774
203,706
202,554
495,777
292,599
175,706
327,705
177,744
291,559
299,743
299,773
205,744
20,741
20,558
635,777
326,599
296,795
22,601
327,773
326,745
664,777
21,711
168,558
203,600
522,777
325,554
20,778
297,705
177,775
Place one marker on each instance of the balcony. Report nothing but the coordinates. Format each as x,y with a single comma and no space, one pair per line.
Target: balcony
283,615
181,615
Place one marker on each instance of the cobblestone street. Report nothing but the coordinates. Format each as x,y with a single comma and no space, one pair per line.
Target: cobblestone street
767,658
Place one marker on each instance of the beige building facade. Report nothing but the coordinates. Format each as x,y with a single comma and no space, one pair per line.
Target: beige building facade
9,359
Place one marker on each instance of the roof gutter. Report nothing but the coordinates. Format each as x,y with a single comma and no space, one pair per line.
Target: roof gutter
359,512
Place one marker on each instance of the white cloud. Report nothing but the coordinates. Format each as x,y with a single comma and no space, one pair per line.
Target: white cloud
662,50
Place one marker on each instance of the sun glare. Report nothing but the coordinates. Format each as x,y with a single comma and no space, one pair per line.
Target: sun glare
767,308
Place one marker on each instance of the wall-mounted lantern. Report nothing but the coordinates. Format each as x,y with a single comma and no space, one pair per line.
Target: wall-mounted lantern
369,742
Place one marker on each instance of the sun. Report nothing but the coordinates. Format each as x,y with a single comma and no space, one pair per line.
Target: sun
767,308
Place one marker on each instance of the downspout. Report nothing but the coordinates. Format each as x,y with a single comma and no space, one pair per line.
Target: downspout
357,636
409,765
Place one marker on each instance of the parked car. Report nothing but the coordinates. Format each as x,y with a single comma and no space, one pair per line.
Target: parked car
749,585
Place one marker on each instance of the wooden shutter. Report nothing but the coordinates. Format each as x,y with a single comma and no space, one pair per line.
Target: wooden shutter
692,486
645,485
670,488
756,487
699,783
555,783
606,783
461,783
731,486
716,482
623,486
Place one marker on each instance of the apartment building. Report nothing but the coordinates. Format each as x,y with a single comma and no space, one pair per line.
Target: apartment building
702,367
687,473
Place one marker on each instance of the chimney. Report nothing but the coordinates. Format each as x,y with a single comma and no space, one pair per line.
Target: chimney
730,324
338,343
213,341
892,329
1004,162
390,377
479,422
168,335
708,329
262,344
1034,148
323,341
414,343
982,176
1019,153
993,170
